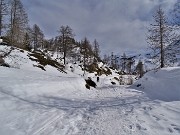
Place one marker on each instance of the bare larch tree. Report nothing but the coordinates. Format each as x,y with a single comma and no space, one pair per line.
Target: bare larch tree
159,36
66,37
18,23
3,13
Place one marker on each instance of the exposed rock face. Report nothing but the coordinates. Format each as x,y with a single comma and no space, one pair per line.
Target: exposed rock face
89,83
1,60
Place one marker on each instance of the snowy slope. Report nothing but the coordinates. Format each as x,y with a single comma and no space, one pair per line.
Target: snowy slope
21,59
46,62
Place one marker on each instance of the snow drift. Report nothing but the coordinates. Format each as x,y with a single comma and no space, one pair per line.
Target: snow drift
163,84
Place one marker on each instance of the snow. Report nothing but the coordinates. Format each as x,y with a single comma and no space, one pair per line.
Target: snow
161,84
37,102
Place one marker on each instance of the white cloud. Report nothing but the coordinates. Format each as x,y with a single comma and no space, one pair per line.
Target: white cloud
118,25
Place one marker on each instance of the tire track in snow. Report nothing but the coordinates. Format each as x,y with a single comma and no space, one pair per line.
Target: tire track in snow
45,124
65,123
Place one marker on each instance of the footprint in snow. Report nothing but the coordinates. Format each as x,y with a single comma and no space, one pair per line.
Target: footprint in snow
157,119
175,127
170,130
147,108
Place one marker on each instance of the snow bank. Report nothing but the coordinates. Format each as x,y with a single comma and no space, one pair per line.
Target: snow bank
163,84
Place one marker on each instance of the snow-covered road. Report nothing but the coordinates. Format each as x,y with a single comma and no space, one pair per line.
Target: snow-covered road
38,103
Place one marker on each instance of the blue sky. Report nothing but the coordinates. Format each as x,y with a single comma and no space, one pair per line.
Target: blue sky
118,25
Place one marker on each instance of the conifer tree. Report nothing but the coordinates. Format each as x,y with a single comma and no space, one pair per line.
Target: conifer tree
3,13
140,69
38,37
176,14
159,36
67,38
18,23
96,50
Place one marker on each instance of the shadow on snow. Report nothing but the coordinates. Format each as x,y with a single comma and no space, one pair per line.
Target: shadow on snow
64,104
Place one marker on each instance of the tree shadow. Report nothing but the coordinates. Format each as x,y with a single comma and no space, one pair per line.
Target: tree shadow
65,104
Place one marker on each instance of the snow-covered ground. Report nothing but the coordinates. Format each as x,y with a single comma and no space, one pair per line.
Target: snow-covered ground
38,102
42,103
